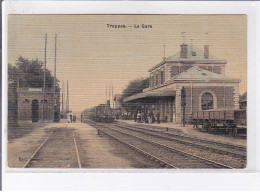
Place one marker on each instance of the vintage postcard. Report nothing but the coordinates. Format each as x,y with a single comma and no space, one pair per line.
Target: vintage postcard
127,91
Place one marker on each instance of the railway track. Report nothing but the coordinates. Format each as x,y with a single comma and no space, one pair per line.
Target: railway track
175,157
48,157
155,158
232,147
230,151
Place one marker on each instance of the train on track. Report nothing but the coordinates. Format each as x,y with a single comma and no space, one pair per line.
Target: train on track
102,113
221,121
233,122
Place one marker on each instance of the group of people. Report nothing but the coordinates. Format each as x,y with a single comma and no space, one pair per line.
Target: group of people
71,117
142,117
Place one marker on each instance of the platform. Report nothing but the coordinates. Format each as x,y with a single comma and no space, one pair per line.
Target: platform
94,151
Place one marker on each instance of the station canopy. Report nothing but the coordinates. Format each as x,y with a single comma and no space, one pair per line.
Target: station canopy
152,94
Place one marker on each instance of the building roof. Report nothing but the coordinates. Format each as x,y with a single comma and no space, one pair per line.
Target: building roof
194,55
243,98
152,94
193,74
197,74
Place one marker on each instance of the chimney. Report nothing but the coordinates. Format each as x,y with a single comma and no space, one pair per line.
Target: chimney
206,51
108,103
184,51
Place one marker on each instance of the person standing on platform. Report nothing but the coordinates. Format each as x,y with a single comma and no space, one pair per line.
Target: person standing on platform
142,117
149,117
74,118
68,117
71,117
135,116
138,117
158,116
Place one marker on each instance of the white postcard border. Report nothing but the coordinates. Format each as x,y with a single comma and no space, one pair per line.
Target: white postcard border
102,179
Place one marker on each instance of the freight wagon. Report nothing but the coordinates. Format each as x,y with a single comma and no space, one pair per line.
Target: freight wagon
233,122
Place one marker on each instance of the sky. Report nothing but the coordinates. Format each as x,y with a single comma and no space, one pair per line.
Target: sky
92,56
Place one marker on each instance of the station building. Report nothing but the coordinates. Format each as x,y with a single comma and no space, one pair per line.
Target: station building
31,104
200,74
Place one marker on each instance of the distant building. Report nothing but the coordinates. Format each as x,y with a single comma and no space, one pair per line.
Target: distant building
203,78
33,107
118,111
117,100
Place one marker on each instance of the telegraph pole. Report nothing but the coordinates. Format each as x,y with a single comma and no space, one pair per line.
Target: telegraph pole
68,104
65,99
183,34
44,77
106,94
113,95
54,84
164,52
191,44
62,99
109,91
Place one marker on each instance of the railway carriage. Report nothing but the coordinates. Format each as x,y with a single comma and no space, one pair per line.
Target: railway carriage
101,113
233,122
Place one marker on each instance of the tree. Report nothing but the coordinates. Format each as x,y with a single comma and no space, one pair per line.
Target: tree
13,74
134,87
31,73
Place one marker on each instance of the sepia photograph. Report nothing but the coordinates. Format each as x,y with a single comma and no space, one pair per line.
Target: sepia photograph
127,91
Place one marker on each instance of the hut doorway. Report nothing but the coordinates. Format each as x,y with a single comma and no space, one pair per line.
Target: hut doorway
35,111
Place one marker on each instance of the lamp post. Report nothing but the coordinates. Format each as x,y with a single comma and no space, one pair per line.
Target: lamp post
183,104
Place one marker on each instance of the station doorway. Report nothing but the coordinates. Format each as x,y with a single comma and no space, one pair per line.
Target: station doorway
35,111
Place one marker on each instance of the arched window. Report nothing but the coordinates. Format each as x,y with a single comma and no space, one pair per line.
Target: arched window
207,101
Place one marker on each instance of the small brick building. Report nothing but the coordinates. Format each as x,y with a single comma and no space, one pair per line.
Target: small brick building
201,75
31,104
